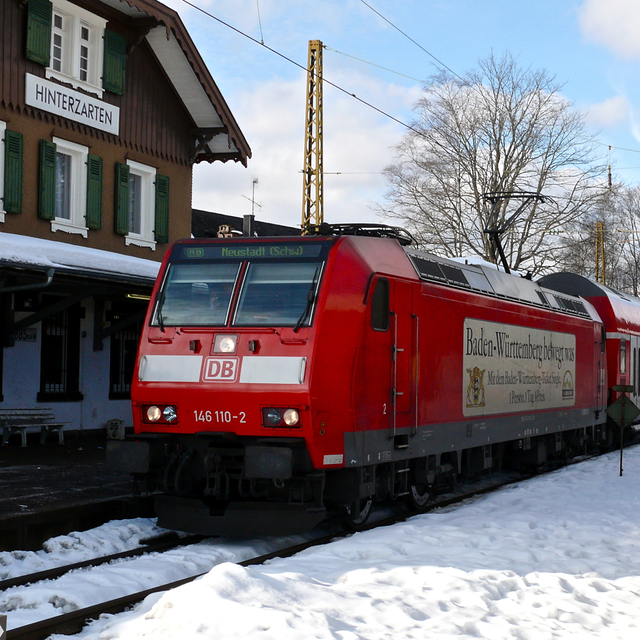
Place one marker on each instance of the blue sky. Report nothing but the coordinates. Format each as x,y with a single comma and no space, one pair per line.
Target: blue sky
592,47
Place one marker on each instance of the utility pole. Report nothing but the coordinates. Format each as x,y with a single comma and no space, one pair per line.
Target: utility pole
312,193
600,277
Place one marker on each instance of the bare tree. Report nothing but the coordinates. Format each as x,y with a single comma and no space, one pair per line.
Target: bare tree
497,129
578,241
627,235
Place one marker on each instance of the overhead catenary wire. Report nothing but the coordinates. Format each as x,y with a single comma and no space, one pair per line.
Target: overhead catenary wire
442,64
341,89
372,64
304,68
612,146
452,71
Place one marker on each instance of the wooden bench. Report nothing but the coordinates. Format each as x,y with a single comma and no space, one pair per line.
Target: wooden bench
14,420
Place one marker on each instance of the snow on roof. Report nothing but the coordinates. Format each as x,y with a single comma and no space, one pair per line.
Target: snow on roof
21,251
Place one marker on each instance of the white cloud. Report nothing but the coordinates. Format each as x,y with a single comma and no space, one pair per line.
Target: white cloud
614,24
635,125
357,142
267,97
611,112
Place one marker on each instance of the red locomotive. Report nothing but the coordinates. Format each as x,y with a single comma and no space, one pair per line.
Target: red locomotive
281,377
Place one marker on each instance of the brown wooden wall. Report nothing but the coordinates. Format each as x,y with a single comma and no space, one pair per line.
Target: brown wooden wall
152,118
154,130
28,223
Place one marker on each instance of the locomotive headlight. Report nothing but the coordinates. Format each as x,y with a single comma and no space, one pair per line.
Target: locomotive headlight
274,417
281,418
228,344
225,344
169,414
154,414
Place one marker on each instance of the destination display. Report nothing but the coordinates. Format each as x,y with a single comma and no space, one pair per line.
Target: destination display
234,251
507,368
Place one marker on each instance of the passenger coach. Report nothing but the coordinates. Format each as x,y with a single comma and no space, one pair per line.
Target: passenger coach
621,316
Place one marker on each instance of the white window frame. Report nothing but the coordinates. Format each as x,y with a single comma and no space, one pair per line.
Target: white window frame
75,18
78,201
3,128
148,206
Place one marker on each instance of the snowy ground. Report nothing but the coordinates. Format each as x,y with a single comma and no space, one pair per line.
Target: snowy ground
554,557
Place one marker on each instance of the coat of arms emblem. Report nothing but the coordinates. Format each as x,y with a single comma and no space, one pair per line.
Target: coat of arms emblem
475,390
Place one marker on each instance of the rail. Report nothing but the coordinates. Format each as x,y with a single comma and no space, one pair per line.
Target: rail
74,621
163,543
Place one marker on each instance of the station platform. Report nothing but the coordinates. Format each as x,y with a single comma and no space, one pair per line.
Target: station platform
49,489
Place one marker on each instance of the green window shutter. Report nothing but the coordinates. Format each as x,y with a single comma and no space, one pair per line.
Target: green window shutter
94,192
47,193
162,208
13,146
39,15
115,62
121,218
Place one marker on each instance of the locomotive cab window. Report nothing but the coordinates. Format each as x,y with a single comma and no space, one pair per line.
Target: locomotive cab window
380,306
196,294
243,283
280,294
623,356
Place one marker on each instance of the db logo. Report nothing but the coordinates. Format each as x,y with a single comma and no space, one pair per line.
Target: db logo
220,370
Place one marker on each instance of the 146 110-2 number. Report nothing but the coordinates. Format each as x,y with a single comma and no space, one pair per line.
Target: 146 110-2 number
219,416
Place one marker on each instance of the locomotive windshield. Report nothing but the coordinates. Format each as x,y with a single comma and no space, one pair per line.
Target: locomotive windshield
248,284
197,294
277,294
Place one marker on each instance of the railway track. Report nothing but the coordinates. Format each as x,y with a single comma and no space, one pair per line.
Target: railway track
160,543
74,621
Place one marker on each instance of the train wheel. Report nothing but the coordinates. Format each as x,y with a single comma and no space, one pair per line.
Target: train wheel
357,513
419,496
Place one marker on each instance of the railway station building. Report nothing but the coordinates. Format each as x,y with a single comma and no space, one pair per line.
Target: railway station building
105,106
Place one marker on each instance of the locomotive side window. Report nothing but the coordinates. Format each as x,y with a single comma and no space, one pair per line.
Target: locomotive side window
197,294
623,356
380,306
280,294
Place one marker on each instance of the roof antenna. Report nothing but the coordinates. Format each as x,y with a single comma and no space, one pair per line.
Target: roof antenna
252,200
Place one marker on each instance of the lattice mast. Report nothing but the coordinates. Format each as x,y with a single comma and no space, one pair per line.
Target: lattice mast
600,253
312,193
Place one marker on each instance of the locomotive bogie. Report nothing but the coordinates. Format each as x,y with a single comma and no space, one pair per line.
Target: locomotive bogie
342,371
